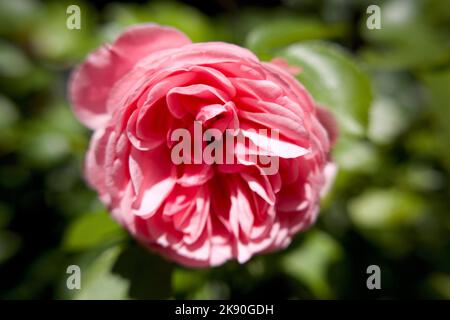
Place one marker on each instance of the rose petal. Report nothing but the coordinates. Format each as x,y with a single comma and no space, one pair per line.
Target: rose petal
91,82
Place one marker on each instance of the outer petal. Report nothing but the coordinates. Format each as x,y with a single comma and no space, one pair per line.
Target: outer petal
91,82
328,121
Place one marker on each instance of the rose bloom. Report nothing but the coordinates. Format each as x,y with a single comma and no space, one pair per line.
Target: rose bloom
152,80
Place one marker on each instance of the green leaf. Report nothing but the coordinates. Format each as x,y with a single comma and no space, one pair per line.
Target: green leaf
185,280
120,271
385,208
90,230
149,275
388,218
335,81
52,136
99,282
310,262
280,33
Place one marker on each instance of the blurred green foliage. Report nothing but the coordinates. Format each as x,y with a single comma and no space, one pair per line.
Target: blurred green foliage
390,205
323,68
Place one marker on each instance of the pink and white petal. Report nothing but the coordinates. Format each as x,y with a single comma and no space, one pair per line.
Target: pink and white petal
181,199
260,184
190,99
195,174
272,146
330,171
198,219
242,208
95,161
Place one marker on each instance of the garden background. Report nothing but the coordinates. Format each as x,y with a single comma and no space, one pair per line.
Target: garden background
390,205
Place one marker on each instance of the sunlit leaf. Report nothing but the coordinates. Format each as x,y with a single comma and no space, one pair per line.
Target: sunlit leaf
385,208
51,136
98,280
387,121
184,280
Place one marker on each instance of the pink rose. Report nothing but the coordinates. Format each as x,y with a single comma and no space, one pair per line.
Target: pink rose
135,94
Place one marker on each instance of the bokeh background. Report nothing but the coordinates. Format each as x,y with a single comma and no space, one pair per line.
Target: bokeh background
390,205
